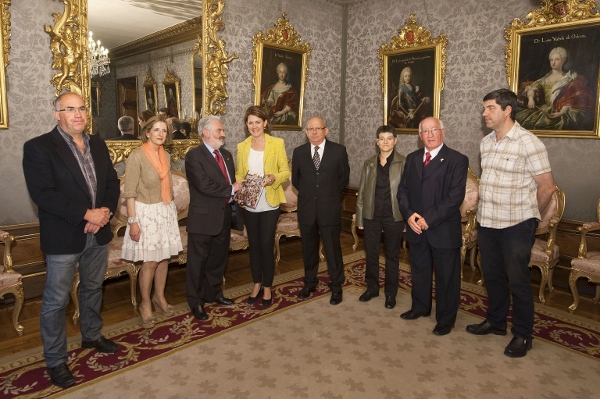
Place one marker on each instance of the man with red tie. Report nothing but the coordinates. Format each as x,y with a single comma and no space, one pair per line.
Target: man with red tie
430,194
212,214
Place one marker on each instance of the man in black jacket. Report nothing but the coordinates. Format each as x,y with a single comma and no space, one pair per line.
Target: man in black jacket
71,179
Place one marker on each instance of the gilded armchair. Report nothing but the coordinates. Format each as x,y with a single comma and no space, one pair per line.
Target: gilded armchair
587,263
545,251
11,281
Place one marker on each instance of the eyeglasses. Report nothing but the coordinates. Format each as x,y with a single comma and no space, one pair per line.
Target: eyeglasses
433,130
72,110
316,129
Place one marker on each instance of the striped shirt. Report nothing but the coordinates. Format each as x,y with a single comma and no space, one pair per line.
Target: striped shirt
85,161
507,190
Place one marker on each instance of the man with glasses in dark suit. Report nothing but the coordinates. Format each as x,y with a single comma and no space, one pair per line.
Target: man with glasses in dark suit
320,171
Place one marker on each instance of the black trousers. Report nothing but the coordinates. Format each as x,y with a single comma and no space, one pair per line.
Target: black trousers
207,258
392,242
261,240
423,259
311,234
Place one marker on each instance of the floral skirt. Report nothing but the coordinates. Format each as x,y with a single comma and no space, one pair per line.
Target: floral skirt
160,234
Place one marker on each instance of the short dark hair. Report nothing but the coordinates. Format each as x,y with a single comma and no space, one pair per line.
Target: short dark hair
386,129
165,110
259,112
145,115
175,123
148,126
504,97
187,127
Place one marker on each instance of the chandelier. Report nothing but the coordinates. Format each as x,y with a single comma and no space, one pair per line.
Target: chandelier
99,61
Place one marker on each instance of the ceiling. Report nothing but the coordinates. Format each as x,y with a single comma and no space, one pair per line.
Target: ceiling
116,22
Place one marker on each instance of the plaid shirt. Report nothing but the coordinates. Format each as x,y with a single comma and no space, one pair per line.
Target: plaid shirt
85,161
507,190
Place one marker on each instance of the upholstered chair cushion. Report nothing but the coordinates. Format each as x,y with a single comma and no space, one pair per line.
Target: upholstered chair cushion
181,193
114,254
471,196
288,222
538,252
548,213
291,195
8,279
591,264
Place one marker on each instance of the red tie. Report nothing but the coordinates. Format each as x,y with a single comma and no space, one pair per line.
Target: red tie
219,159
427,158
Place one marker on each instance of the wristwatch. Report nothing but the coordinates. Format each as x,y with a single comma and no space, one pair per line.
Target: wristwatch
132,219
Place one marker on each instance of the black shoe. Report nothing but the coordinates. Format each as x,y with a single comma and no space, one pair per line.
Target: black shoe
101,345
252,299
306,291
267,302
367,296
485,328
336,298
518,347
61,376
410,315
390,302
224,301
199,313
442,330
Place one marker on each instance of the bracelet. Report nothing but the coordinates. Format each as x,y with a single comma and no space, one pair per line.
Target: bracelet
132,219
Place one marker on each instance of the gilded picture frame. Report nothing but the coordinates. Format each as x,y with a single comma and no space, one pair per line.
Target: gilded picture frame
280,69
5,43
172,94
150,94
553,65
412,69
95,98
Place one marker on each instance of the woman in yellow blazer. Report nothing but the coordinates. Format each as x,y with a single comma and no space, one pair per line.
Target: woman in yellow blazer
261,153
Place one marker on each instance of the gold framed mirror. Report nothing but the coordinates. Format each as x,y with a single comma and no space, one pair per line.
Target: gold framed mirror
5,44
69,46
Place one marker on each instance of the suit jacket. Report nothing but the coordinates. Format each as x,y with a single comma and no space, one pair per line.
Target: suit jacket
57,186
126,136
436,193
209,191
178,135
275,162
320,191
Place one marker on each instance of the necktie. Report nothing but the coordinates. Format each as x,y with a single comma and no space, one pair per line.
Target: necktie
427,158
317,158
219,159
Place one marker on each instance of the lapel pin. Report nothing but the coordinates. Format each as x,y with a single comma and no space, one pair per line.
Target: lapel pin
442,160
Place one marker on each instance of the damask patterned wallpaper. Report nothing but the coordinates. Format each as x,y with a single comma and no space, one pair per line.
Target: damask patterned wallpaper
475,66
30,96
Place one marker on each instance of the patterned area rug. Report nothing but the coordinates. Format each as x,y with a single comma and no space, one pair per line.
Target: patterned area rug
311,349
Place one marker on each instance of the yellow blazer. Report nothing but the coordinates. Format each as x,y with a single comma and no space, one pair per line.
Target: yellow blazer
275,163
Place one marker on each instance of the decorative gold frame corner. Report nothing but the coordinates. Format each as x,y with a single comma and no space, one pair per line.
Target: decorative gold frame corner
69,46
413,38
151,83
553,21
172,79
214,59
282,37
4,60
